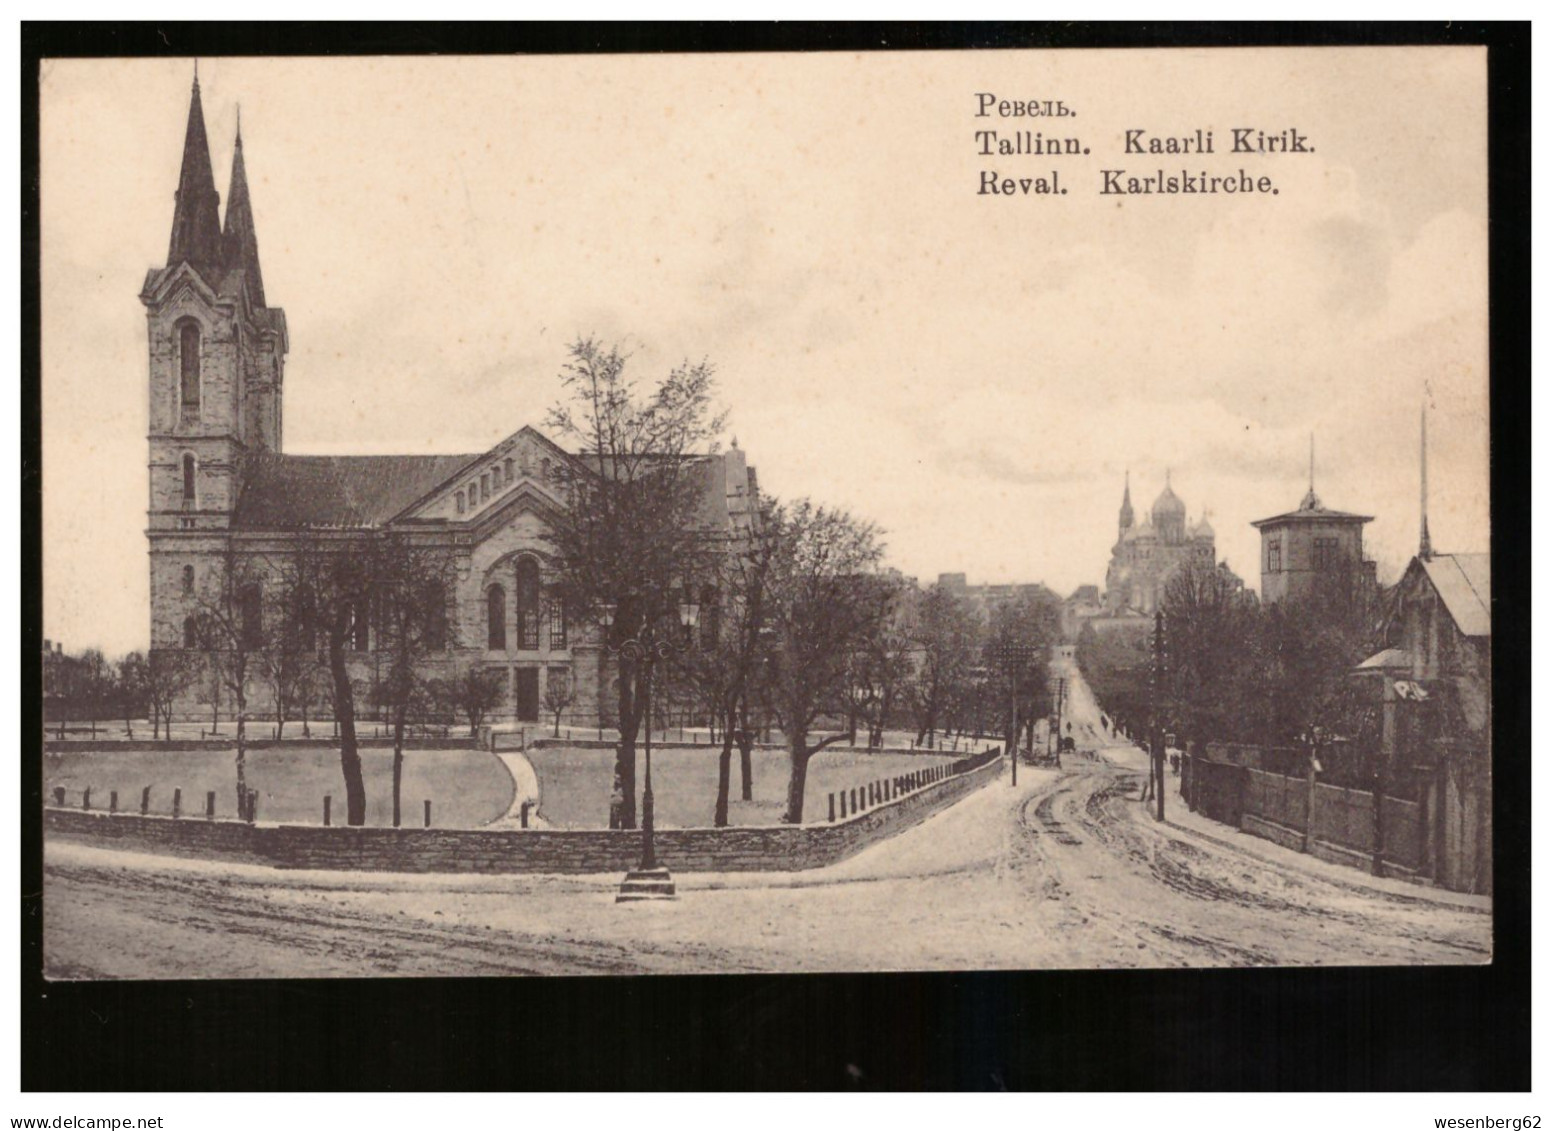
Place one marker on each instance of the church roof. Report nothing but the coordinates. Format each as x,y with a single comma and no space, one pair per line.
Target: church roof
284,492
1203,529
1464,584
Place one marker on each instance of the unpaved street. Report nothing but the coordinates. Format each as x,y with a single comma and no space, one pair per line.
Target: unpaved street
1065,871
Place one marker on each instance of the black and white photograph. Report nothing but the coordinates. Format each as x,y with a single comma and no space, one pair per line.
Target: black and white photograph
830,512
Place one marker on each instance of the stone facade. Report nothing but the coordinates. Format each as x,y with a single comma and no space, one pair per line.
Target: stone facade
224,497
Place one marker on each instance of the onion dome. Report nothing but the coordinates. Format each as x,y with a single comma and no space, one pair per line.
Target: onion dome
1203,529
1168,504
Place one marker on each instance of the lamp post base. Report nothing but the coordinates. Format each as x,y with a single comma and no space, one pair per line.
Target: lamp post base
651,883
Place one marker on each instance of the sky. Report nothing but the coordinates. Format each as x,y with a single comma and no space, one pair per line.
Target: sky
974,373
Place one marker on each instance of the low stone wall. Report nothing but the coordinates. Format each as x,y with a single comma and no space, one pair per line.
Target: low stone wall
776,848
189,745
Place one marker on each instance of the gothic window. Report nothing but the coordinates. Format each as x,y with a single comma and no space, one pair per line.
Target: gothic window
190,633
496,619
188,581
251,616
544,470
474,494
190,468
507,470
557,624
188,367
484,487
459,497
527,604
1274,555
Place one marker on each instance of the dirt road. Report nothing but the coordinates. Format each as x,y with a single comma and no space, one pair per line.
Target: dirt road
1067,870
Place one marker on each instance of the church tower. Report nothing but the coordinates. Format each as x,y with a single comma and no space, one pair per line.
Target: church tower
1126,506
217,356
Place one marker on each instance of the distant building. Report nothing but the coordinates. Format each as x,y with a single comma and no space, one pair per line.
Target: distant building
1147,554
1304,548
985,598
1084,602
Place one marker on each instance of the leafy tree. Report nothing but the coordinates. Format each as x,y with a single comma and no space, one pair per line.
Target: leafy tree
631,535
826,603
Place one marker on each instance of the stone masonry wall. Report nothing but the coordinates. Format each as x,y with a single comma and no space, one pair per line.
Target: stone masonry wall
778,848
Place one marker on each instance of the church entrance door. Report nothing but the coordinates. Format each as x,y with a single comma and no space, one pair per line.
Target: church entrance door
527,695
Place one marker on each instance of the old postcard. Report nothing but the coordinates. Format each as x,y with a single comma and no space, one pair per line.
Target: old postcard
696,513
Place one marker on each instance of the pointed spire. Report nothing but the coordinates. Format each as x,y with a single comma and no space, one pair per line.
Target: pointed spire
1424,543
1311,501
240,243
196,223
1126,503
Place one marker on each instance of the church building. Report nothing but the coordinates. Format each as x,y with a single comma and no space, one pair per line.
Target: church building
1147,554
221,483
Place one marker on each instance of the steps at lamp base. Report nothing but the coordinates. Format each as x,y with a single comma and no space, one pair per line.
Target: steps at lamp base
654,883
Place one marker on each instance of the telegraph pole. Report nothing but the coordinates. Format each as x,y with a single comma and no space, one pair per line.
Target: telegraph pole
1157,690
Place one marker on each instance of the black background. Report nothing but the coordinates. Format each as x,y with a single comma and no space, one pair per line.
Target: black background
1367,1029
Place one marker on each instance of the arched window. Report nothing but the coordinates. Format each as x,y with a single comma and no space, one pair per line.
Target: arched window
544,470
557,623
190,633
188,581
527,604
190,473
188,366
459,497
507,467
496,619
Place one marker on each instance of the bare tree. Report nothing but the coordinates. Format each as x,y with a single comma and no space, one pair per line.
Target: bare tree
331,587
168,671
131,689
229,626
411,613
826,604
560,692
729,657
472,692
946,640
630,536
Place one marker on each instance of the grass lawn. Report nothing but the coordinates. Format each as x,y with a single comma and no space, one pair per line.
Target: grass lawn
467,788
574,783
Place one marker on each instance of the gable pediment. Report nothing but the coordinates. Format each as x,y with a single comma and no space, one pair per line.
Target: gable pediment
523,468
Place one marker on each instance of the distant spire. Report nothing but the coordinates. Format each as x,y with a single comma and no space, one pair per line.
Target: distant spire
1311,501
1424,543
196,223
1126,503
240,243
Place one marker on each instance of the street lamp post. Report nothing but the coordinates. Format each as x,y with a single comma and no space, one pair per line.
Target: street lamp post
649,880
